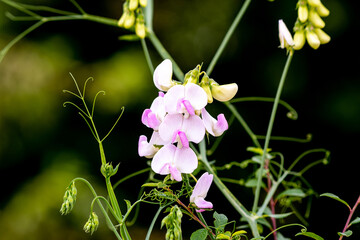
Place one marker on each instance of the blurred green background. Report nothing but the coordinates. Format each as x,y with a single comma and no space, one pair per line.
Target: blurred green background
43,146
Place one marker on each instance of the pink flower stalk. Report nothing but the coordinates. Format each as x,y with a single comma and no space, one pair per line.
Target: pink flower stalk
200,191
213,126
185,99
173,160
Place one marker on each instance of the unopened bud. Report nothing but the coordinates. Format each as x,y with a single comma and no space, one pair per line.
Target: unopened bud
140,26
69,199
133,4
315,19
299,39
303,13
314,3
224,92
205,84
192,76
322,10
286,40
122,20
323,37
92,224
312,39
143,3
129,20
107,170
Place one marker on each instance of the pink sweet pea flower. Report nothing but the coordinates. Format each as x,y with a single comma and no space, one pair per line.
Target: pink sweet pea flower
177,128
148,149
172,160
200,191
163,75
185,99
213,126
154,116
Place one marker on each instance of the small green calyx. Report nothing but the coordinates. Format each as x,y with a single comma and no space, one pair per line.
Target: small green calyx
173,224
69,199
107,170
205,84
92,224
193,75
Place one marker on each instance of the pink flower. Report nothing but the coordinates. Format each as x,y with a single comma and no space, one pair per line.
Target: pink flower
200,191
148,149
213,126
185,99
154,116
173,160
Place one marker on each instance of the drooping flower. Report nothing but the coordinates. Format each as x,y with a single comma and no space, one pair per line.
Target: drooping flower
163,76
285,37
176,127
154,116
200,191
213,126
173,160
148,149
185,99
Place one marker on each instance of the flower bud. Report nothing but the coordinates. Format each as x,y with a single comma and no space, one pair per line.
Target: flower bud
92,224
69,199
314,3
299,39
133,5
205,84
140,26
224,92
312,39
315,19
322,10
143,3
107,170
286,40
122,20
323,37
303,13
192,76
129,20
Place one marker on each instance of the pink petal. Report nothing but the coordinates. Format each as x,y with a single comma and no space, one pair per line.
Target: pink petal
145,149
221,125
144,117
202,187
213,126
196,96
175,173
188,107
171,124
194,128
185,160
163,75
172,98
162,159
183,139
201,203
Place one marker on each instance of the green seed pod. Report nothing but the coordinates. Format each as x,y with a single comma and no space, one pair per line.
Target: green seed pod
323,37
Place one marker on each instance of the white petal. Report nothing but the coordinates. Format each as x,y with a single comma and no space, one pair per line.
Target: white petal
194,128
163,75
158,107
162,158
196,95
171,124
172,98
284,35
185,160
145,149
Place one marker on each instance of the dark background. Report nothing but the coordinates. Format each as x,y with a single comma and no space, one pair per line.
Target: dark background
43,146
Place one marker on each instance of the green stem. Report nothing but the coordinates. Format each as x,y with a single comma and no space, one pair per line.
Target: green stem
227,193
147,56
227,36
269,130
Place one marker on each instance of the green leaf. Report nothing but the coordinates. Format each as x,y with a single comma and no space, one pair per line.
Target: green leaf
333,196
295,192
220,221
128,204
310,235
348,233
355,221
239,233
223,236
129,37
199,234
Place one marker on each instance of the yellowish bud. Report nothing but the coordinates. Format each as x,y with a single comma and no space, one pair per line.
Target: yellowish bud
314,3
133,4
303,13
205,84
322,10
140,29
122,20
224,92
312,39
299,40
143,3
323,37
129,20
315,19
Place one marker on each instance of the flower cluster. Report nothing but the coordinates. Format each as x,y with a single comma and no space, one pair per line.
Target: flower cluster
133,14
69,199
179,117
309,24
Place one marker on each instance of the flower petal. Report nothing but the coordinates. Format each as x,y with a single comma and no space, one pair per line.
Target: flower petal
196,95
194,128
202,187
172,98
185,160
145,149
201,203
162,159
171,124
175,173
213,126
163,75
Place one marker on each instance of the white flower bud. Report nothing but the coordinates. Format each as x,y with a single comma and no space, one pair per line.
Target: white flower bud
224,92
